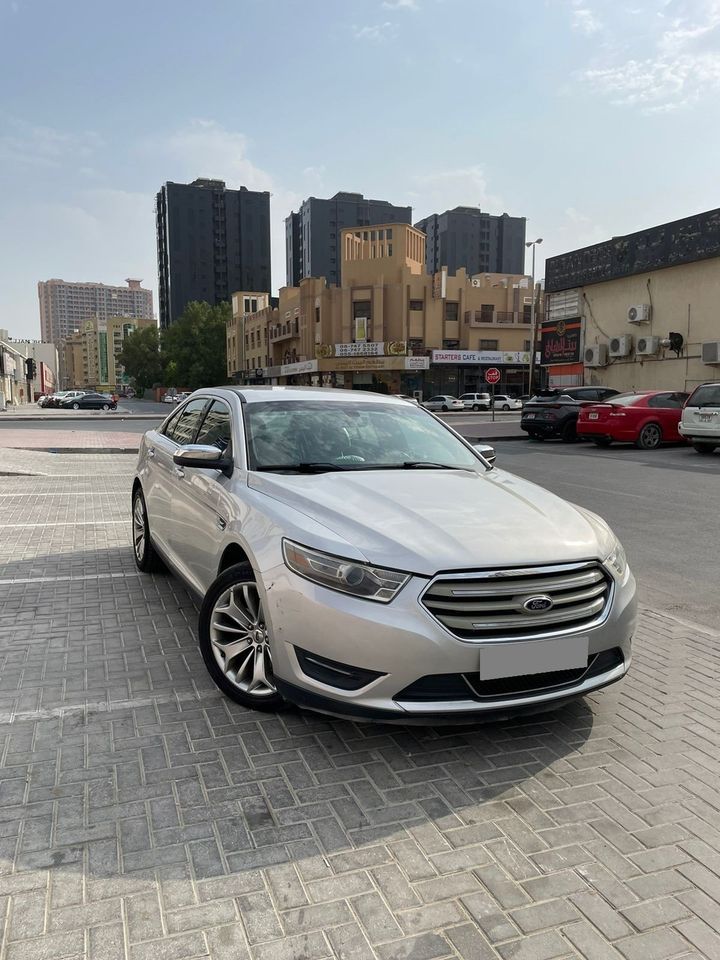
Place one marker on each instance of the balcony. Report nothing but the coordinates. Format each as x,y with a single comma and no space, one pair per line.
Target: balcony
284,331
496,318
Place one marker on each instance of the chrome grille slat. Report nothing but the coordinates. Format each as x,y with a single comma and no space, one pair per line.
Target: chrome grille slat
486,605
484,588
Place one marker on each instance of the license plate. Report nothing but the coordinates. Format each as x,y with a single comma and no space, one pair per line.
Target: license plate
533,656
593,416
529,416
706,417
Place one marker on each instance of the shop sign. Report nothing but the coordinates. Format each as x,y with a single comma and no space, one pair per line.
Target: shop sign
560,341
480,356
301,366
373,348
417,363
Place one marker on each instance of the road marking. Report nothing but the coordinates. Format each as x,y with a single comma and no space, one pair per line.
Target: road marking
69,493
84,576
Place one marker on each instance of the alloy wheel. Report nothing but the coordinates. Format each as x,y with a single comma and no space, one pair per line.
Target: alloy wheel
240,642
650,436
139,537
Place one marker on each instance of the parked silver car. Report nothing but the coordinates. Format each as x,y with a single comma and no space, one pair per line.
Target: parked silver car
356,556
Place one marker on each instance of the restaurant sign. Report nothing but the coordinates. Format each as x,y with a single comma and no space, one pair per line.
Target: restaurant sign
480,356
394,348
560,341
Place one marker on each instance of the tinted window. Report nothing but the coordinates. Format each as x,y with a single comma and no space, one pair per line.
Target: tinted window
667,400
706,396
182,429
215,430
628,399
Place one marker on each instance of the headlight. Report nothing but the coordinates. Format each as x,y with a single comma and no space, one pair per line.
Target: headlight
617,561
347,576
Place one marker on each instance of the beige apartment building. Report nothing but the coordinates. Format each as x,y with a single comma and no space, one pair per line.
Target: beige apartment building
65,306
390,326
89,356
637,312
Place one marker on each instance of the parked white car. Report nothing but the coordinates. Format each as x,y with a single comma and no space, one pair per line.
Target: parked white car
443,402
502,401
700,422
354,555
475,401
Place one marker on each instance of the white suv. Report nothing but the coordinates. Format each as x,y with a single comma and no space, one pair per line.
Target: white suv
476,401
700,423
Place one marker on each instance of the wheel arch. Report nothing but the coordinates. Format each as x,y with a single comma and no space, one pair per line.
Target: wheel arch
232,554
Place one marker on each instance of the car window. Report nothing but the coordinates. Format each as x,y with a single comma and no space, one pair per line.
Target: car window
183,428
706,396
627,399
675,400
216,427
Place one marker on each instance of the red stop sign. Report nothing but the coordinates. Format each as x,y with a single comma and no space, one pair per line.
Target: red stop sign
492,375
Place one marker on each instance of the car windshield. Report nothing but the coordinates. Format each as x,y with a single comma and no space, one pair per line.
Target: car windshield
319,435
706,396
625,399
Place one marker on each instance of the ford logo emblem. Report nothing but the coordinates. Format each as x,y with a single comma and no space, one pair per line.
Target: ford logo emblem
537,604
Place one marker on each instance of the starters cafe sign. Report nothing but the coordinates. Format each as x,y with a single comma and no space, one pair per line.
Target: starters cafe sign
480,356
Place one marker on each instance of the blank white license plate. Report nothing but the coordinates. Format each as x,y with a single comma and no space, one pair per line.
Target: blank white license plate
706,417
529,416
533,656
592,416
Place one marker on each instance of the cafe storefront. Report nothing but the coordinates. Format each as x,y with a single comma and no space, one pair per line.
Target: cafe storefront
463,371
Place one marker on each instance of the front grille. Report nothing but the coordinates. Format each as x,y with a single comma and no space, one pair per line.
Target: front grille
489,604
450,687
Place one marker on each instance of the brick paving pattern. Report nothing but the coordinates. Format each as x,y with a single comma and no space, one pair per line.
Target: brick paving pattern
145,817
55,439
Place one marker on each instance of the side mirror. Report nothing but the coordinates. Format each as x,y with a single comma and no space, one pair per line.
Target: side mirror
198,455
486,451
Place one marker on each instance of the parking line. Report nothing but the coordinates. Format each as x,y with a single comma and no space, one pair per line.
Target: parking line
83,576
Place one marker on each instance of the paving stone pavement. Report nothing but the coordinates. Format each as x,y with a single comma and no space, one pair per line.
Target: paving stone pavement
145,817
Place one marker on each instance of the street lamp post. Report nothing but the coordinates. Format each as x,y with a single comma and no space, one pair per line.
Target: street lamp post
533,335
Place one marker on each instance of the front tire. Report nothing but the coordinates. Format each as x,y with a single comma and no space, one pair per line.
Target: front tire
76,406
650,437
234,640
505,407
146,559
476,406
106,406
444,408
704,447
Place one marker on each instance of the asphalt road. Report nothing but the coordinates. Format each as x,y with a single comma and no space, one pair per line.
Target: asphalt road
662,505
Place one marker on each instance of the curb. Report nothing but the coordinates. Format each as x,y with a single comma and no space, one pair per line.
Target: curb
495,439
97,450
70,419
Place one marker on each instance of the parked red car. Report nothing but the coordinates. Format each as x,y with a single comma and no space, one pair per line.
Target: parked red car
646,418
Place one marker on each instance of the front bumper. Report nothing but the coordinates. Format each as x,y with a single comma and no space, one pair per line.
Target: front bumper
404,643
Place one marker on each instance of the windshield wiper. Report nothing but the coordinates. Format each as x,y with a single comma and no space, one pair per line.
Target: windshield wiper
430,465
307,467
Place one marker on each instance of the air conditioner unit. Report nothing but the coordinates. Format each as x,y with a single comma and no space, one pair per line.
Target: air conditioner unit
711,352
647,346
597,355
621,346
476,283
639,313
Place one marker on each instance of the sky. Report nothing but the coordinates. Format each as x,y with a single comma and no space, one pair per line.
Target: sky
592,118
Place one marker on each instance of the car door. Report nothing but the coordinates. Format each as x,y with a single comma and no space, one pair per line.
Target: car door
667,408
162,481
200,507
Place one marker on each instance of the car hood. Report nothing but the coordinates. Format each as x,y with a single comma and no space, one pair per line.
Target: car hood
423,521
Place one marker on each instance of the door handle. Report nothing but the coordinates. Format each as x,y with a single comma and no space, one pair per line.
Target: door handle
179,472
151,452
221,522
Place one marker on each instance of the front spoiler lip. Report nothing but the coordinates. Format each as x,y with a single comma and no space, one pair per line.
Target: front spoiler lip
449,712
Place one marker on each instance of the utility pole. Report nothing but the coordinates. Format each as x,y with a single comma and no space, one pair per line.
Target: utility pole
533,335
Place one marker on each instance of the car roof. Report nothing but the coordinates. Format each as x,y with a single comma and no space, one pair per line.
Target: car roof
264,394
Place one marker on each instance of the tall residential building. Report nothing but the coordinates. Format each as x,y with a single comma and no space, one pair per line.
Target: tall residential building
312,236
211,241
88,356
63,306
479,242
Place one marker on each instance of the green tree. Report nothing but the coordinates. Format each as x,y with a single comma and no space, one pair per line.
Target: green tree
140,356
194,347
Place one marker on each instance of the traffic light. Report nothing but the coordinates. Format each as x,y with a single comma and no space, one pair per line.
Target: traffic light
30,369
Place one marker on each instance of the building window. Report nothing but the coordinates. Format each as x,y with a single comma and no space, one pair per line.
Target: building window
389,249
451,310
526,345
451,344
388,234
486,312
488,344
416,304
527,313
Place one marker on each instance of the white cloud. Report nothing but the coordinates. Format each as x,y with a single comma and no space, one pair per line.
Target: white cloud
27,144
401,4
681,41
376,33
458,187
584,20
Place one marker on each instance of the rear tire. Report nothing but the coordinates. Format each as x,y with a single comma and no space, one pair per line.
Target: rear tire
476,406
650,437
146,559
234,640
444,408
505,407
568,434
704,447
76,406
105,406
